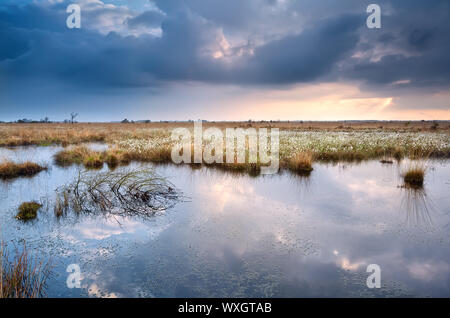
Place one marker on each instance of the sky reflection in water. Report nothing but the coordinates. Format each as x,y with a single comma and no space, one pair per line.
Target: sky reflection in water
279,235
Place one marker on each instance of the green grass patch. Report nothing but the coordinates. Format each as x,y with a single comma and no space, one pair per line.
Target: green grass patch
28,211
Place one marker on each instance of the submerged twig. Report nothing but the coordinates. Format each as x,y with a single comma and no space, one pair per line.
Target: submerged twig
123,193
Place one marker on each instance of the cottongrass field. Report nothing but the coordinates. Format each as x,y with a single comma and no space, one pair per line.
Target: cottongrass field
335,145
365,144
300,146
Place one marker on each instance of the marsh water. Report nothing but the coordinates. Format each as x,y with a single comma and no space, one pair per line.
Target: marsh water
241,236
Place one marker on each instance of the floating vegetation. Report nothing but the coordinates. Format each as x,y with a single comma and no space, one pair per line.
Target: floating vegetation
123,193
10,170
28,211
22,276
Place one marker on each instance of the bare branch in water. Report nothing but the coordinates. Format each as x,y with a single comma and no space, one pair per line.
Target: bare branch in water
123,193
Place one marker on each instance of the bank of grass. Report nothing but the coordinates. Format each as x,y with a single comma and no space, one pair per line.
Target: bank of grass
10,170
28,211
113,157
152,143
341,153
90,158
297,152
22,276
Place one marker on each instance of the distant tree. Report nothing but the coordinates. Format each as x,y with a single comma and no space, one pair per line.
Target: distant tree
72,117
125,121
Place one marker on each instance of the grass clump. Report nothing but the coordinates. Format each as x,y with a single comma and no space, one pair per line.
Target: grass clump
22,276
28,211
94,162
112,160
414,176
113,157
74,155
301,163
10,170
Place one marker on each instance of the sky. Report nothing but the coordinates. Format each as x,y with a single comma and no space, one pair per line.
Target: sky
225,60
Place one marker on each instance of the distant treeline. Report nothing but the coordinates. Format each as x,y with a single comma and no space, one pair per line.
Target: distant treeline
126,121
33,121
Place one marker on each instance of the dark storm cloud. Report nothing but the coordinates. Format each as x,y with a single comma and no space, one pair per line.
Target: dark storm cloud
414,39
34,16
308,40
230,13
306,56
183,52
12,45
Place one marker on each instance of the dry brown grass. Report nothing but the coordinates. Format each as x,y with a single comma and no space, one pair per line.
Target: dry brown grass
47,134
66,134
9,169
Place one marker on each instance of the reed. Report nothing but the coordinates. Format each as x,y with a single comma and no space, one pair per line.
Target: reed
22,276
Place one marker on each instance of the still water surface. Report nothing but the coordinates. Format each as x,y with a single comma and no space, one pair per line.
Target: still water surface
243,236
